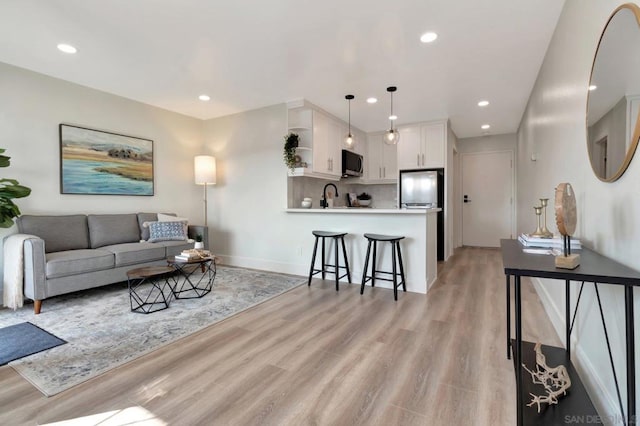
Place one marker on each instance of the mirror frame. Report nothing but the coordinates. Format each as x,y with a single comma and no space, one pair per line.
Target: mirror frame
636,132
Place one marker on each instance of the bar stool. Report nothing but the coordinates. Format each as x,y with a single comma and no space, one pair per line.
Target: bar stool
395,247
336,267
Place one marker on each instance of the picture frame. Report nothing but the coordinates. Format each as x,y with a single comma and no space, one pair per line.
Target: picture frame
97,162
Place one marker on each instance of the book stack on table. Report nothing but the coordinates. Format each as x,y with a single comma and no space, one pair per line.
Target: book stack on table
192,254
549,243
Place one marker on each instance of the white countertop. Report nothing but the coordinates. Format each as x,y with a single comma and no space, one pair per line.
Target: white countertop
344,210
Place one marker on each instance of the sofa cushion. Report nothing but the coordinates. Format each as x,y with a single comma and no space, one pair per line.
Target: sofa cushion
174,247
108,229
72,262
167,231
58,232
132,253
146,217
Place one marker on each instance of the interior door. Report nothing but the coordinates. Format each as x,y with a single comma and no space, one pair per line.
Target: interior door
487,198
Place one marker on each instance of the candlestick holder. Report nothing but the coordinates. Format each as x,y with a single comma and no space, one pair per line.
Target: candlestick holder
545,232
538,231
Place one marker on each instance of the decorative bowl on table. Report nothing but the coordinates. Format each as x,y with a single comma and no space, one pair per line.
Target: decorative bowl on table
364,203
306,203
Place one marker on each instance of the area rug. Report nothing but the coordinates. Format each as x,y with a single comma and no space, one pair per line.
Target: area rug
102,333
24,339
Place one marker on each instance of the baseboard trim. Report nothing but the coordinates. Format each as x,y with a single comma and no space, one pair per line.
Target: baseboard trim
292,268
604,402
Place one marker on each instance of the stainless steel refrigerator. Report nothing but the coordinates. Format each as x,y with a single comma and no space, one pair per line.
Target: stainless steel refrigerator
424,189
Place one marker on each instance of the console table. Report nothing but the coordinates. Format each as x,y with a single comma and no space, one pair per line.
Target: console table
594,268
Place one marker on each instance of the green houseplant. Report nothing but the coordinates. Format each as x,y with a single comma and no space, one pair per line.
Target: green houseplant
9,189
290,144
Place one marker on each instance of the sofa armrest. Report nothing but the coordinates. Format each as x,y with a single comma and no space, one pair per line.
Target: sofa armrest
195,230
34,269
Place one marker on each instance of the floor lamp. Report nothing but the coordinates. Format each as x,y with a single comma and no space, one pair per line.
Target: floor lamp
205,174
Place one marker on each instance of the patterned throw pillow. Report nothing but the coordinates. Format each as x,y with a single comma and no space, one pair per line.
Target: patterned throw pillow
167,231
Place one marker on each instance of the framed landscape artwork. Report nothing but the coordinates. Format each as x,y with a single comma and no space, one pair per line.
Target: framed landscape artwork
104,163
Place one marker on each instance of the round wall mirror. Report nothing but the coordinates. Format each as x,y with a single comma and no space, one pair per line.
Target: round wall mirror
613,102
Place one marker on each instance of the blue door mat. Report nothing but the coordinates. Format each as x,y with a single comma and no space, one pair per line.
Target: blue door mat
20,340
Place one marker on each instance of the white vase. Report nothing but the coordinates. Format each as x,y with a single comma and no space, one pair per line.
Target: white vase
199,245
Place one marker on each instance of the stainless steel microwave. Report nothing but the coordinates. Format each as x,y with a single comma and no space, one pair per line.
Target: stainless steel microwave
352,164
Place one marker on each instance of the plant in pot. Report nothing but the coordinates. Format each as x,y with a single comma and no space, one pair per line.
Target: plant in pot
9,189
199,244
364,199
290,144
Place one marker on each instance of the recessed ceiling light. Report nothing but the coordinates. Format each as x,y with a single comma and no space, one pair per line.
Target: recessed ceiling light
393,117
67,48
483,103
428,37
593,87
204,97
485,127
372,100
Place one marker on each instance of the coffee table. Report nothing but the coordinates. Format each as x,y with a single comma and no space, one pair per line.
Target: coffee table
150,298
193,285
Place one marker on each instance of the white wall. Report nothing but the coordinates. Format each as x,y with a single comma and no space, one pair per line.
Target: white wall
247,205
33,105
553,127
488,143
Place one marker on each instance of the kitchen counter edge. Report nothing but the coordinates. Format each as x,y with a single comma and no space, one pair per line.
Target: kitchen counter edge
364,211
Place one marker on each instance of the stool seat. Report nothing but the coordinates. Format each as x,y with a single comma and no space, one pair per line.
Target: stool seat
338,237
328,234
380,237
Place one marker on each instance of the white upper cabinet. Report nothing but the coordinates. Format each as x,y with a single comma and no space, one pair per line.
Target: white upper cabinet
321,141
381,160
422,145
409,147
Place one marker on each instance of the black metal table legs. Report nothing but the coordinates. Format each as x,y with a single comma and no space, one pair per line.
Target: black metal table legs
518,350
631,362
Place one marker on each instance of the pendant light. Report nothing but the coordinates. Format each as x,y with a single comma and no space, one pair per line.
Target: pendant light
349,139
391,136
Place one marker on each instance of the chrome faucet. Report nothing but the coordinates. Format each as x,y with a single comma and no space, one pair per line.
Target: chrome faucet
323,202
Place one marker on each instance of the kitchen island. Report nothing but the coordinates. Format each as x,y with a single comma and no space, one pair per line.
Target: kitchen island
419,247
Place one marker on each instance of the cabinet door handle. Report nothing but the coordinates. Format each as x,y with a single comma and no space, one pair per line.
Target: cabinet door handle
423,159
417,159
380,172
384,172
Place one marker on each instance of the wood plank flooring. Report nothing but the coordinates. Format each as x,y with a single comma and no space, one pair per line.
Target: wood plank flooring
317,357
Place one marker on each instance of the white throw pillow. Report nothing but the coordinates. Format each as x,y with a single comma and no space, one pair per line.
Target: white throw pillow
169,218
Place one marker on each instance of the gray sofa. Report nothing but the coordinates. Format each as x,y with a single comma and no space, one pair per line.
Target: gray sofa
77,252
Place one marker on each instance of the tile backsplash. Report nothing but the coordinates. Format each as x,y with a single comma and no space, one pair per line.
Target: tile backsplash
383,196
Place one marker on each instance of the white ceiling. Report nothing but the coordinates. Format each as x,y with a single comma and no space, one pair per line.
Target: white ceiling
249,54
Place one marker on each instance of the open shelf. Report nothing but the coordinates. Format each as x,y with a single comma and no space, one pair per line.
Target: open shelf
572,407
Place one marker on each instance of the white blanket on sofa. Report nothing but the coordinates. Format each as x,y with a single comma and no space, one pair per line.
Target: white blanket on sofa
13,289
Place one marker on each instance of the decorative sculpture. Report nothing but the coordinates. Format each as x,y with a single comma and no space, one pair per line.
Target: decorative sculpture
566,219
555,380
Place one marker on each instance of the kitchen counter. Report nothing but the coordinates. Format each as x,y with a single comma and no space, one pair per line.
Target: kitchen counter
419,247
364,210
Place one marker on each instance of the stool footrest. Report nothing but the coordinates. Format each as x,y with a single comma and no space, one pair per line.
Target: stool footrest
368,278
317,271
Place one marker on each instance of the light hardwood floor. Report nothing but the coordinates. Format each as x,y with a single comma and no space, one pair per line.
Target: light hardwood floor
314,356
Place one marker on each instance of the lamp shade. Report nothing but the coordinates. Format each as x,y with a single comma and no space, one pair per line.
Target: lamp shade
205,169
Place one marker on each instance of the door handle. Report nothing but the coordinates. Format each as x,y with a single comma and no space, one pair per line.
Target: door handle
466,199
